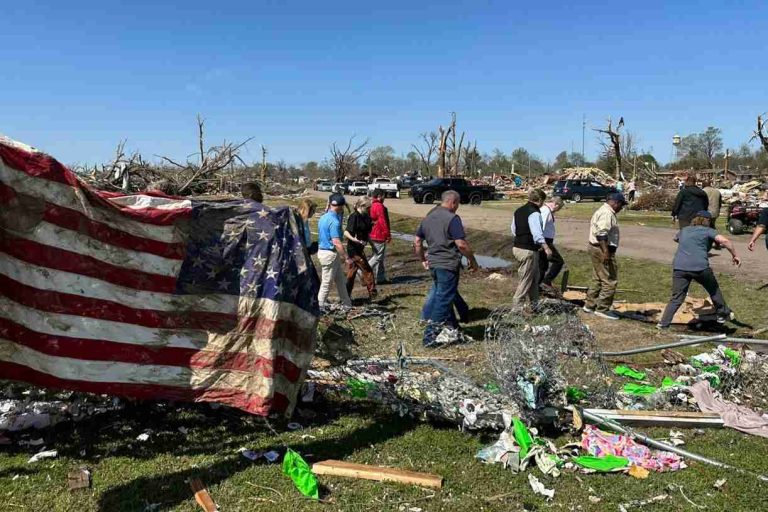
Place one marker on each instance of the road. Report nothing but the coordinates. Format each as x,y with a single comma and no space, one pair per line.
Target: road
643,242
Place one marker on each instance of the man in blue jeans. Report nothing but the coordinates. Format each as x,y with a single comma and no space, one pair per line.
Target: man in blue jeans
444,233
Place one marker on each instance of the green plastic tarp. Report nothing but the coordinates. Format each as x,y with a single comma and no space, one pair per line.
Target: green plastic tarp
639,389
298,470
605,463
626,371
574,394
522,436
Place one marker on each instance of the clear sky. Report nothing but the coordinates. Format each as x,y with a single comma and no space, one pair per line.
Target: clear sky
296,75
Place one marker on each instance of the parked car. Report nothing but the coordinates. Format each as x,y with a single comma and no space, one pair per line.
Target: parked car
389,187
340,188
579,190
473,194
742,217
358,188
325,186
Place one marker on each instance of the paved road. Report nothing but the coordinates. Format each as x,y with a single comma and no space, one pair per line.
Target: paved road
649,243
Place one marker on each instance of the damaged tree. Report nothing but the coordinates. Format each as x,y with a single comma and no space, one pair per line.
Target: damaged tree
613,145
425,152
759,135
345,161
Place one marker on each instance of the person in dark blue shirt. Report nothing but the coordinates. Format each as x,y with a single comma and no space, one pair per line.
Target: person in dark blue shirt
762,224
691,263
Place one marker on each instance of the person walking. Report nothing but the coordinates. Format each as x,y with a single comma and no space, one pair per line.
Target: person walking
358,234
331,252
631,191
603,244
691,263
443,232
307,209
381,236
528,231
689,200
549,267
714,199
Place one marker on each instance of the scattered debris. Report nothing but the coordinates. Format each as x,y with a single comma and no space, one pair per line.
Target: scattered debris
624,507
294,426
539,488
297,469
496,277
202,497
48,454
143,437
638,472
79,479
381,474
719,484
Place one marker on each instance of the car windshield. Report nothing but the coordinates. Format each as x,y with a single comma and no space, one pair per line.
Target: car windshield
435,182
359,183
382,180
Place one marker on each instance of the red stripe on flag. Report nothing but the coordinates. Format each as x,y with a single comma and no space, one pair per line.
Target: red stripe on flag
69,304
101,350
40,165
68,261
232,397
77,221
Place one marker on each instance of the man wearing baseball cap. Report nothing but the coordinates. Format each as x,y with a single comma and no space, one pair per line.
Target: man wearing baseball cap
691,263
603,244
331,252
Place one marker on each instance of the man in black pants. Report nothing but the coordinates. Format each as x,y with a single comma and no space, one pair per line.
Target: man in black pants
549,267
691,263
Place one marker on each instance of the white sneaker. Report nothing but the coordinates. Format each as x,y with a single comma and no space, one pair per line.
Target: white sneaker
587,310
608,315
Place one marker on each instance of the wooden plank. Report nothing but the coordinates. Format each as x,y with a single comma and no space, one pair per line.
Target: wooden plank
202,497
366,472
661,418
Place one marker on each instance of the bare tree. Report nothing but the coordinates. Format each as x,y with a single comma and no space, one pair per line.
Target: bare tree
426,150
441,150
263,166
212,160
345,160
613,144
759,135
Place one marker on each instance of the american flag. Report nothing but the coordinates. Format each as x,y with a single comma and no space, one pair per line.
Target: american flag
150,296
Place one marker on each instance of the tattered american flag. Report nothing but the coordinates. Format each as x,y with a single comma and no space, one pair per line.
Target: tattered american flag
150,297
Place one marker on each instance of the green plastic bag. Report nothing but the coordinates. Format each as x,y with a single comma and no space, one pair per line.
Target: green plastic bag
605,463
359,388
639,389
522,436
626,371
574,394
298,470
734,356
668,382
492,387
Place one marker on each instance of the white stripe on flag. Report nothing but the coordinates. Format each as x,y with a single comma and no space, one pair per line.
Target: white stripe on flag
68,240
69,197
44,278
129,373
138,202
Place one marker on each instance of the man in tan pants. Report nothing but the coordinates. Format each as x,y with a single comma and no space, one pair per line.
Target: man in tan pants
603,244
528,231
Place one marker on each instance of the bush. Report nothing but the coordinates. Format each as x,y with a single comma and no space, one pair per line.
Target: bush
659,200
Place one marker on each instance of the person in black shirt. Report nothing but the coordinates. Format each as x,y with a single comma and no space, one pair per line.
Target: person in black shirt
358,235
690,200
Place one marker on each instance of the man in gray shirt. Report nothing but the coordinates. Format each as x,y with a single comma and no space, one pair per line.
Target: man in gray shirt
691,263
444,233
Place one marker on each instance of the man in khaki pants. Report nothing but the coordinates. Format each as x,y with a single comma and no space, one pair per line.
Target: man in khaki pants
603,244
528,231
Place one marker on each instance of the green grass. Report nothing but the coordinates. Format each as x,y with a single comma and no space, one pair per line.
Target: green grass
128,475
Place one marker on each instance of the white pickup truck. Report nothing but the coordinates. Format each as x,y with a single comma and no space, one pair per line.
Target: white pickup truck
358,188
389,187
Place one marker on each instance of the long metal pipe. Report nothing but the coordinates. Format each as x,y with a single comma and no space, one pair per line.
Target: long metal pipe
730,339
648,441
654,348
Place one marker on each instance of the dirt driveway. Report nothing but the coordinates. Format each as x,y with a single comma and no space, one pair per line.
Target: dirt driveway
650,243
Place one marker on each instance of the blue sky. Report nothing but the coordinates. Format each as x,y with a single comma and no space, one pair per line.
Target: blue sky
297,75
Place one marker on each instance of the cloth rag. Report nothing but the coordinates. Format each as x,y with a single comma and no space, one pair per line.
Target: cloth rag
734,416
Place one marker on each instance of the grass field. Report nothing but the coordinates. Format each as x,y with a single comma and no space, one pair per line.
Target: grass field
132,476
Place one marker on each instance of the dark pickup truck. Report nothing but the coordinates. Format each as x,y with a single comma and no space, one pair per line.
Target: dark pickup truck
430,191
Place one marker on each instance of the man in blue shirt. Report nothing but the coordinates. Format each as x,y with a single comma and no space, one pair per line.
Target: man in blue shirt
331,252
691,263
529,238
444,233
762,223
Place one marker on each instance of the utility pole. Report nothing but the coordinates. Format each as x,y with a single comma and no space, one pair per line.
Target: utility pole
583,131
263,166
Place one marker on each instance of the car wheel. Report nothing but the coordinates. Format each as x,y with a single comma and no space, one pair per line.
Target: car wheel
576,198
475,199
735,227
428,198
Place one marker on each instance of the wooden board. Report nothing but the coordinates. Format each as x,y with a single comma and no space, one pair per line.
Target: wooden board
661,418
366,472
202,497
